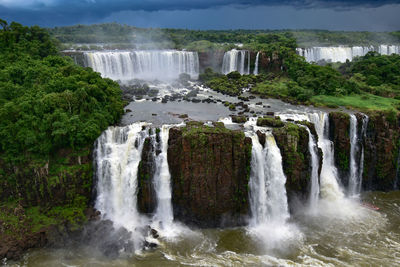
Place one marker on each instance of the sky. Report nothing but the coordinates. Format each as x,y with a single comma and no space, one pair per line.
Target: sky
355,15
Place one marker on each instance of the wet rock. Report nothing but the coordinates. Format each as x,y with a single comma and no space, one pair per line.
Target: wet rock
259,103
183,116
270,114
209,171
128,110
270,122
164,100
196,100
146,196
261,138
238,119
339,134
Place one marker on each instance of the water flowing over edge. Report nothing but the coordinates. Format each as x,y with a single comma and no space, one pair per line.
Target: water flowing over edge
343,53
162,65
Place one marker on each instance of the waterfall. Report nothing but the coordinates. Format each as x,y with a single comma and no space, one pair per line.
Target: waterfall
343,53
162,183
256,64
146,64
314,190
354,177
268,201
330,188
235,60
117,155
356,144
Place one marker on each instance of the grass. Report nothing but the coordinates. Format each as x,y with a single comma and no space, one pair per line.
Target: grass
364,102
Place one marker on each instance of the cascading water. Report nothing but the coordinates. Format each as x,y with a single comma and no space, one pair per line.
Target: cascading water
354,176
356,144
162,182
343,53
235,60
267,183
117,156
146,64
256,64
330,188
314,190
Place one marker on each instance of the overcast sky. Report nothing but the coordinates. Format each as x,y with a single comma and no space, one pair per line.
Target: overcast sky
210,14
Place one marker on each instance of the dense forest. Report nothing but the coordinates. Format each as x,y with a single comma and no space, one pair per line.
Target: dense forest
51,112
113,35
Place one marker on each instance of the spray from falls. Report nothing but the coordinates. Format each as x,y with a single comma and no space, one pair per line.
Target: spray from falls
235,60
146,64
256,64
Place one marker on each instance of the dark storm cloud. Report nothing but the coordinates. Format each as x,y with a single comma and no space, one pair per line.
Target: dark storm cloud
61,12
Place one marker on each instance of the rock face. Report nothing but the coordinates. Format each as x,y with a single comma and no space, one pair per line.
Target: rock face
51,199
381,152
211,59
146,197
292,141
339,134
210,171
56,182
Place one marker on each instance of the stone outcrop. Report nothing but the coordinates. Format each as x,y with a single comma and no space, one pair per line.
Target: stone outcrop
339,134
381,152
210,171
146,197
211,59
45,201
292,141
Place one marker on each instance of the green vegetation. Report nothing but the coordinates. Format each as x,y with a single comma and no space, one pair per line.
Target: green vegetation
51,112
47,102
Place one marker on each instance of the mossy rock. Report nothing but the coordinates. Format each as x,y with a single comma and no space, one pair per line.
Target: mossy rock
270,122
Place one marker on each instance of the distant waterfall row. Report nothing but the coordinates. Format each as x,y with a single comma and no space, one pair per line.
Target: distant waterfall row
146,64
343,53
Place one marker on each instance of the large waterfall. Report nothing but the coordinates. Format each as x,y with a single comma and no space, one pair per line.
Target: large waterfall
343,53
117,155
146,64
236,60
162,183
268,201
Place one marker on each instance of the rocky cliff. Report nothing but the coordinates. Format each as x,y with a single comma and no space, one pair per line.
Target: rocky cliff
40,200
210,171
339,134
381,152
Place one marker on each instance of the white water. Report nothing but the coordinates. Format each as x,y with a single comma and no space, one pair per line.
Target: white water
329,180
356,170
314,190
256,64
146,64
268,200
267,183
354,176
343,53
330,188
235,60
117,156
164,216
